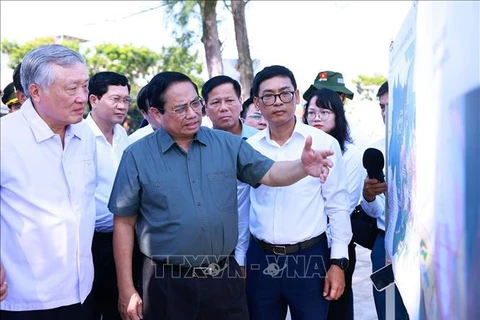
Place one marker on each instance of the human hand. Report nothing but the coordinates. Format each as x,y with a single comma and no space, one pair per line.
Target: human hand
3,284
334,283
372,188
315,162
130,304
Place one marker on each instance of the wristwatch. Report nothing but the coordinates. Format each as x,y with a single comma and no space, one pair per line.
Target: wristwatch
342,263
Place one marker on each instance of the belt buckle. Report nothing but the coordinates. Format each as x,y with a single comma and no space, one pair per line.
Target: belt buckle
204,271
212,270
280,253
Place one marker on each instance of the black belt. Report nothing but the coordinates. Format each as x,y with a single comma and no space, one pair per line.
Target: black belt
103,235
211,270
283,249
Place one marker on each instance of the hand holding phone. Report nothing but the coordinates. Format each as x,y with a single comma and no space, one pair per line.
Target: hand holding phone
383,278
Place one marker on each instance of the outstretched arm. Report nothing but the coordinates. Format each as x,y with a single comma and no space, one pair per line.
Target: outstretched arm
313,162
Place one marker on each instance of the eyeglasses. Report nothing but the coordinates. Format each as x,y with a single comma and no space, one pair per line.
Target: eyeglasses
182,109
255,116
115,100
322,115
269,99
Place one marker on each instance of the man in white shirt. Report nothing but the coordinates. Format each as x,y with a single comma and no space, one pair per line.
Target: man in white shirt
108,100
151,115
48,181
288,257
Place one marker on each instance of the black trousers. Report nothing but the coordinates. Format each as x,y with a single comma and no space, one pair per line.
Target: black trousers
342,309
104,291
72,312
174,293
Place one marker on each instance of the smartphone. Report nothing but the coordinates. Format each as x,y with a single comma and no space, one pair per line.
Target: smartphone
383,278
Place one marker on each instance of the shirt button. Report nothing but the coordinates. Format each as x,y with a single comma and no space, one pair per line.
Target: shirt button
198,204
193,181
157,184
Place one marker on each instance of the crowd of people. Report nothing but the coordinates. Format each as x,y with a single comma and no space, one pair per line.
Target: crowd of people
244,220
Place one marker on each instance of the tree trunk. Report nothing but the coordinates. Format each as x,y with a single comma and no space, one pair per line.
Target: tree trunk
245,67
213,54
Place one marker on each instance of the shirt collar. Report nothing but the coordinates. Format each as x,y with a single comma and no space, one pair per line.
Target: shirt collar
299,129
166,141
40,128
96,130
92,124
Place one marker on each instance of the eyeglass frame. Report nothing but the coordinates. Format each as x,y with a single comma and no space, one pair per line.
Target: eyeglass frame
319,114
279,95
115,100
183,108
256,116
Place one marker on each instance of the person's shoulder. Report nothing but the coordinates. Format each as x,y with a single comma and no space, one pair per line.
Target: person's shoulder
83,130
318,136
259,135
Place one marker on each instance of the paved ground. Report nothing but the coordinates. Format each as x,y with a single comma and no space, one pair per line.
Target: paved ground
364,307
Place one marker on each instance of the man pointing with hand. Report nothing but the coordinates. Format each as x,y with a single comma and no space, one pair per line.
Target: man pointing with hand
288,263
176,189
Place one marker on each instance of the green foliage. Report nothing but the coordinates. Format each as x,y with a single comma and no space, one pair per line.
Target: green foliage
16,52
365,80
137,64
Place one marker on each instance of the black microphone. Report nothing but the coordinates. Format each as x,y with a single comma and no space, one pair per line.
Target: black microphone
373,161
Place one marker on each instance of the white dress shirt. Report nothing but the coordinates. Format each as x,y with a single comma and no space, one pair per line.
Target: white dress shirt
47,212
108,156
292,214
140,133
356,174
376,208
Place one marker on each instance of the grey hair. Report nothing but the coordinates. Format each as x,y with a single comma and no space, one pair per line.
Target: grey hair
37,65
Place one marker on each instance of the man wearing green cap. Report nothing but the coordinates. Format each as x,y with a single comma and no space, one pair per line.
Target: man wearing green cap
329,80
9,98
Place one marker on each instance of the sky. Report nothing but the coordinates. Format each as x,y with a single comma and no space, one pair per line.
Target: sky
352,37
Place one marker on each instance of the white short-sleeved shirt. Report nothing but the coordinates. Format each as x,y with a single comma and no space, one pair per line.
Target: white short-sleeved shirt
295,213
140,133
108,156
47,212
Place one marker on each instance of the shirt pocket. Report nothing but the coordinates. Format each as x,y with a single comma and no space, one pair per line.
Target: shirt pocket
223,186
163,200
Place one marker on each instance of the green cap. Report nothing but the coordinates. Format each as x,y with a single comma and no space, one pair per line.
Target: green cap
328,80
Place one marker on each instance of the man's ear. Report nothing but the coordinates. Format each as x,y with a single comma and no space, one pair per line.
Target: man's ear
93,100
34,90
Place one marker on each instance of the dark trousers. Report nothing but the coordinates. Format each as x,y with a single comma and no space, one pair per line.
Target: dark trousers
295,280
378,261
72,312
104,291
342,309
171,292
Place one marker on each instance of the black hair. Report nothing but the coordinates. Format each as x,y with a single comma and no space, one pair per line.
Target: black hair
217,81
383,89
99,83
328,99
142,99
16,78
159,85
270,72
245,105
